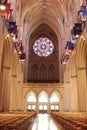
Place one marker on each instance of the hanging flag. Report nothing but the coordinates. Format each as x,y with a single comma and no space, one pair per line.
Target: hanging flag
9,16
83,8
12,27
65,58
73,38
21,51
19,45
23,57
4,12
8,6
69,47
77,29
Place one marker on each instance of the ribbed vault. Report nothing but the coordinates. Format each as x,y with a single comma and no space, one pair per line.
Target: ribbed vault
49,18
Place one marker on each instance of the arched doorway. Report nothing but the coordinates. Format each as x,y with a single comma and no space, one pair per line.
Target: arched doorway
31,101
43,102
55,101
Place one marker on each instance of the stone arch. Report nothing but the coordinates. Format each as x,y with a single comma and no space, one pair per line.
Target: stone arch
31,100
81,52
43,93
55,100
56,93
29,93
6,54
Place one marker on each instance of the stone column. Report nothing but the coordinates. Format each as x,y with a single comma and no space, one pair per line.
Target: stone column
48,106
67,96
12,93
74,96
6,85
82,89
37,105
19,101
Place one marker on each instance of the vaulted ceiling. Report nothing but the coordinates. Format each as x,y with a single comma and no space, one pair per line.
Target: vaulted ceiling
58,15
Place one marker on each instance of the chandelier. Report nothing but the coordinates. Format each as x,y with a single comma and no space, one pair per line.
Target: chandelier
43,47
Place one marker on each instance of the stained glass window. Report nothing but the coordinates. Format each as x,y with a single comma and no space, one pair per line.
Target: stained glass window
43,47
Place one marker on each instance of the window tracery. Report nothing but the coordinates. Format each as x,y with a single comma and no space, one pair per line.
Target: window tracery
43,47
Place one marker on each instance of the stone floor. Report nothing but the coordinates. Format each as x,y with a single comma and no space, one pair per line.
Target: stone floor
45,122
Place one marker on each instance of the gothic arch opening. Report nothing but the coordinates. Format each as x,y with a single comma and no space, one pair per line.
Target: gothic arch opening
43,101
43,51
31,100
55,101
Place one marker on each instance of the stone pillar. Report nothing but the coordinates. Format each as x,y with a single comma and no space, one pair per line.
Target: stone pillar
48,106
37,105
82,89
19,102
6,85
67,96
74,96
13,93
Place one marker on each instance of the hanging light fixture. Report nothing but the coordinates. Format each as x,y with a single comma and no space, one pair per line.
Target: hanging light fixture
3,4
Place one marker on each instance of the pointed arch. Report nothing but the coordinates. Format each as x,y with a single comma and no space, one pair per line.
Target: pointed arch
81,53
43,96
55,96
31,96
7,54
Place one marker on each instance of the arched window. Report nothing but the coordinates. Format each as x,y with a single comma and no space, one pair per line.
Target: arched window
55,97
31,97
55,101
43,96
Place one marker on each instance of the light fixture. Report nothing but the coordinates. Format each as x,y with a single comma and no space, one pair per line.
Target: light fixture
3,4
2,7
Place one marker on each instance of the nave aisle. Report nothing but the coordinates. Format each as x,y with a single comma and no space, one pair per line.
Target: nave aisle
45,122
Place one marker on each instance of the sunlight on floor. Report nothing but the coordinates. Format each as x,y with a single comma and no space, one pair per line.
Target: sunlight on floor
45,122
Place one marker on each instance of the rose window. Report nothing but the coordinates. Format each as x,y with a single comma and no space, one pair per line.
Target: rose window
43,47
